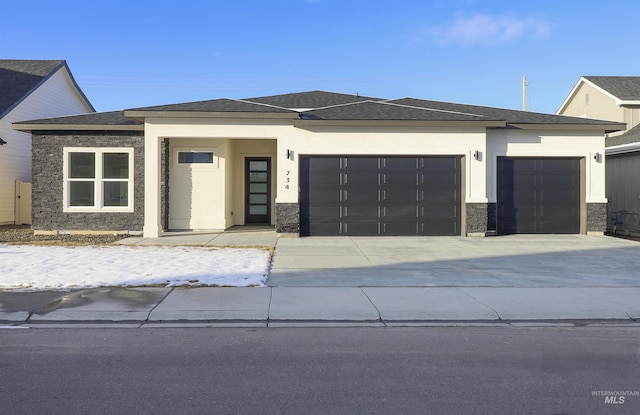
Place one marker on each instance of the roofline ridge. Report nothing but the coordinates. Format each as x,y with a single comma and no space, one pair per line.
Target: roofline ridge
244,100
431,109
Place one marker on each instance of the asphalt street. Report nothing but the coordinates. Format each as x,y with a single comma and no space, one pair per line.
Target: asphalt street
466,370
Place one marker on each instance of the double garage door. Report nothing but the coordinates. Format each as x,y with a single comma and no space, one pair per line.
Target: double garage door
380,195
422,195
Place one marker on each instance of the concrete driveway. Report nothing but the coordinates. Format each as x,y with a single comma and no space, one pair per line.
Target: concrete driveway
524,261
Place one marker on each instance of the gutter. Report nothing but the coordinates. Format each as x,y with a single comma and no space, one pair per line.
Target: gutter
623,148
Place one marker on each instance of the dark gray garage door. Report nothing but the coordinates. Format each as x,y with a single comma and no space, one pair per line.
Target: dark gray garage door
538,195
380,195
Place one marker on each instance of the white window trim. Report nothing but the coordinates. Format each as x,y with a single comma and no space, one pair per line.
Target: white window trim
98,181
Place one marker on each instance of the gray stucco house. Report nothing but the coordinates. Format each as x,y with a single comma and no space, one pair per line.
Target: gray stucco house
320,163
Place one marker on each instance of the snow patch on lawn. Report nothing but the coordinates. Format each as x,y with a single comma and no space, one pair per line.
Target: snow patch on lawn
54,267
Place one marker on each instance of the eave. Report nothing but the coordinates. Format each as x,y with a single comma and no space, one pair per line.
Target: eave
609,127
27,128
396,123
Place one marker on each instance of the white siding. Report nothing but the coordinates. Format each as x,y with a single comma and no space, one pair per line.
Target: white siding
56,97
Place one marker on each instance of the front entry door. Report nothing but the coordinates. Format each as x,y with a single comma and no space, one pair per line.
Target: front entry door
257,190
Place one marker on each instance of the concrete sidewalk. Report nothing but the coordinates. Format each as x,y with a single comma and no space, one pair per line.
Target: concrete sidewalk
308,306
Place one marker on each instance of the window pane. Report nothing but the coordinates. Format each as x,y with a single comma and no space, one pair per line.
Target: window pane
81,194
195,157
115,166
82,165
257,188
256,199
257,210
258,177
116,193
258,165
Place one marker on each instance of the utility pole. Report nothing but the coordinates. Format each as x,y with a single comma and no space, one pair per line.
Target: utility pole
524,93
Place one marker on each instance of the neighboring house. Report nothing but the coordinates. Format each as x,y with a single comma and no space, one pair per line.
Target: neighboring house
29,89
615,98
320,163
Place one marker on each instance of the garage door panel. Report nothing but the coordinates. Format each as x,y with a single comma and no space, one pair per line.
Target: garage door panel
399,163
438,228
400,196
380,195
327,195
538,195
361,228
324,213
407,179
361,179
437,213
364,212
359,164
397,213
439,163
320,163
400,228
355,195
439,179
325,180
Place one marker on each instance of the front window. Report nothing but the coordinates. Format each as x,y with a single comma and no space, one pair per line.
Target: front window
98,179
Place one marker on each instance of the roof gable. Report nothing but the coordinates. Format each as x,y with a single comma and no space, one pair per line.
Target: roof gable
18,78
623,88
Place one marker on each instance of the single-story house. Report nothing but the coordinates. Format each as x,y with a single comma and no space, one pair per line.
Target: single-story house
320,163
29,89
614,98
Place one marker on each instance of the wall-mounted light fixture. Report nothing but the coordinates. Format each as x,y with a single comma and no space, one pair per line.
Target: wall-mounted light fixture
289,154
477,155
2,142
598,157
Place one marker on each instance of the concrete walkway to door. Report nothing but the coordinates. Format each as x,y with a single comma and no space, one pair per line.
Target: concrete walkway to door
524,261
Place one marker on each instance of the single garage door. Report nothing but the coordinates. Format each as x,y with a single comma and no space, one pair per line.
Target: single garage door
538,195
380,195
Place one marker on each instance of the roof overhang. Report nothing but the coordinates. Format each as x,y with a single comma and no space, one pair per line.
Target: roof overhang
396,123
623,148
27,127
142,115
608,127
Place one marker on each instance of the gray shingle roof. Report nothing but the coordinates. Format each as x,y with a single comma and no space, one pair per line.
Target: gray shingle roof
383,110
310,100
19,77
329,106
217,105
91,119
631,136
625,88
508,115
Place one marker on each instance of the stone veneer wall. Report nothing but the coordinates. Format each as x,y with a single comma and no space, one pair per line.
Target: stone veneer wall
287,218
596,217
47,182
476,218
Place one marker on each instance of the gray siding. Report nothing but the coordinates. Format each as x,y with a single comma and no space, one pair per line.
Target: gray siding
623,192
47,182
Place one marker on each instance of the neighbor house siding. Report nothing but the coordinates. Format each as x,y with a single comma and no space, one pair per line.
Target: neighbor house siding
55,97
591,102
47,182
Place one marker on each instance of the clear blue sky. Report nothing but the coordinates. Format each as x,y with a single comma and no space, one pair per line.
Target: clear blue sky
133,53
